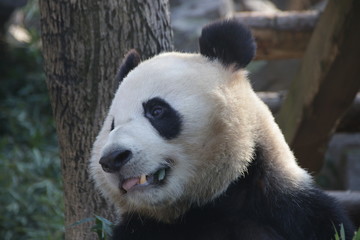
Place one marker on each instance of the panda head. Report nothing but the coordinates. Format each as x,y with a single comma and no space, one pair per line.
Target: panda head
180,128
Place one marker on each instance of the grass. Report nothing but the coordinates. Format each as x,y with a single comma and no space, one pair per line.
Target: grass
341,235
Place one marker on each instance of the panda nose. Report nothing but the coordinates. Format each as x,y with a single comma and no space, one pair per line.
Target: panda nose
113,161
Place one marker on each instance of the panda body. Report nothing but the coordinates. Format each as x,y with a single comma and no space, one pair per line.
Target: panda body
188,151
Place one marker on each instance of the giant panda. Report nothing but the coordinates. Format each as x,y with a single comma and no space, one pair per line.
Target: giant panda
189,151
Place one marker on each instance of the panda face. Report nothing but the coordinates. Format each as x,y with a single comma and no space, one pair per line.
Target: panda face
183,127
159,137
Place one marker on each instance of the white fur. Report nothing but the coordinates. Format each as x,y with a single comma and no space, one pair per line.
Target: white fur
222,120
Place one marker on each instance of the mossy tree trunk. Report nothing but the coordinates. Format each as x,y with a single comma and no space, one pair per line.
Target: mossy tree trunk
83,44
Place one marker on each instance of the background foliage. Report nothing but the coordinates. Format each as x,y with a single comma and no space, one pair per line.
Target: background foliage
31,188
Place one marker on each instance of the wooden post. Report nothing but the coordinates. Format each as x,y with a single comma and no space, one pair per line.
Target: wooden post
349,122
280,35
326,84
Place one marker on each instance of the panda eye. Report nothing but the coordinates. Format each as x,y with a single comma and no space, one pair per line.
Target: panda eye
157,111
165,119
112,125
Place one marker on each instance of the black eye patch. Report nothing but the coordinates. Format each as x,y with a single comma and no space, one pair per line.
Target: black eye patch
112,125
166,120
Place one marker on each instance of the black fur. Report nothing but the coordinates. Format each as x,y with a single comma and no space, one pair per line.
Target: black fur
131,60
112,124
228,41
250,209
167,121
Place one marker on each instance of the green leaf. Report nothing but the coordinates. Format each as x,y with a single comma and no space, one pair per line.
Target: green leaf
357,235
342,232
85,220
336,236
102,227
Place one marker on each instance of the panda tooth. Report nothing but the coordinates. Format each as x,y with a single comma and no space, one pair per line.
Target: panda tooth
143,179
161,174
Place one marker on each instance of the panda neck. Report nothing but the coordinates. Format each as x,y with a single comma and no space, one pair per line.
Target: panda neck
238,191
279,161
258,183
243,191
273,171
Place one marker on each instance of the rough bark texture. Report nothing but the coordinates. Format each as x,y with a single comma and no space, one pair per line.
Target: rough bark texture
280,35
326,84
83,44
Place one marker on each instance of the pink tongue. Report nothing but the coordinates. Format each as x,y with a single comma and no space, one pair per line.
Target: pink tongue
129,183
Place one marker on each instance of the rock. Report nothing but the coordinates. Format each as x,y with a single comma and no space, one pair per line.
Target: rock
341,170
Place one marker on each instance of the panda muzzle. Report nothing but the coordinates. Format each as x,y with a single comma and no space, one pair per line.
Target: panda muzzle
113,161
156,178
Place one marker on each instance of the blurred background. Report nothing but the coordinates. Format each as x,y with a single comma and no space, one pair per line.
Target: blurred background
31,196
31,200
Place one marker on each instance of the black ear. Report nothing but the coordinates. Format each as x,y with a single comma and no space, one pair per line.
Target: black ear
229,41
131,60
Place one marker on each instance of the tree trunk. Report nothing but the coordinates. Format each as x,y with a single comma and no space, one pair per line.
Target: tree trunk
83,44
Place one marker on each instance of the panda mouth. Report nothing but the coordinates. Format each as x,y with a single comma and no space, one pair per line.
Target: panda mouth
156,178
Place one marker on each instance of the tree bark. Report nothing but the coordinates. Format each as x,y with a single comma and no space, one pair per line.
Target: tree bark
83,44
280,35
326,84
